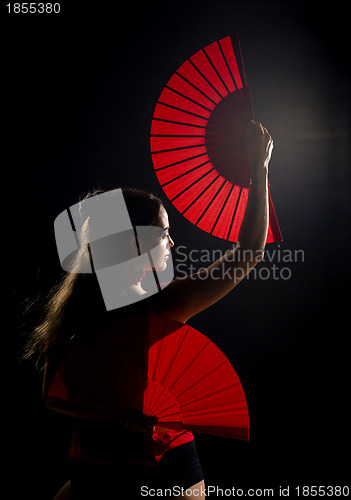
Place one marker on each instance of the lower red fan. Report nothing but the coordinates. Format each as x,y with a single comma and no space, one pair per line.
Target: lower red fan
156,366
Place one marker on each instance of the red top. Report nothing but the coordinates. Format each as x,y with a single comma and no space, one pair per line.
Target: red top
173,439
97,443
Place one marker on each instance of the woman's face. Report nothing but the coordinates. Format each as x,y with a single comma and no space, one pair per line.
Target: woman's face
165,243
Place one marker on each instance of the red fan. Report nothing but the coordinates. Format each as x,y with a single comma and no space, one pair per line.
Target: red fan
198,141
155,366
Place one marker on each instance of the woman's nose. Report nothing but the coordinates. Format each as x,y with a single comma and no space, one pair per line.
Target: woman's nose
171,242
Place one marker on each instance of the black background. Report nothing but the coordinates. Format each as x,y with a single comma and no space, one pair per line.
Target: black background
78,94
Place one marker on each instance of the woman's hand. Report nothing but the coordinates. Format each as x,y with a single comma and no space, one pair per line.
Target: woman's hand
185,297
259,145
136,422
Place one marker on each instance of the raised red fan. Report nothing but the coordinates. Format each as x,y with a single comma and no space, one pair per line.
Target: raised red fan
198,141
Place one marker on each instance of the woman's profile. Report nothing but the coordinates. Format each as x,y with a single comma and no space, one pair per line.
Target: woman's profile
114,458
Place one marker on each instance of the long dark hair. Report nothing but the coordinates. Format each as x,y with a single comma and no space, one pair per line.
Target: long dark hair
75,303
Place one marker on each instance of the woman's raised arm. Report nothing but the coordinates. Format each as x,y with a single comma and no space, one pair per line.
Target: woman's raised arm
185,297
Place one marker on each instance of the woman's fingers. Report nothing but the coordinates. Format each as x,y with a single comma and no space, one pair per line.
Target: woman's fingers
259,145
251,130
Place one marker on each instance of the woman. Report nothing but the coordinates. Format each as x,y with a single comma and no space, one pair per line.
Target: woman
76,308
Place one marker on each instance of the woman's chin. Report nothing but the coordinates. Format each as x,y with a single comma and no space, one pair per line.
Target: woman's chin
160,267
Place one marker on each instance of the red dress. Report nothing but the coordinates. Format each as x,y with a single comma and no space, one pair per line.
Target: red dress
90,449
138,385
